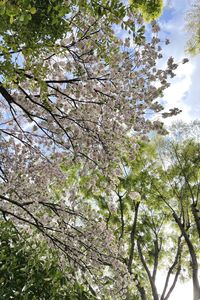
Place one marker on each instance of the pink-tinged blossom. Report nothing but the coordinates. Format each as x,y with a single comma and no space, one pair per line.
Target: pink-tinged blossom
83,115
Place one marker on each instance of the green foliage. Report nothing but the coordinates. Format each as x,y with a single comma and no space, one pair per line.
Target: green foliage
24,19
150,9
29,269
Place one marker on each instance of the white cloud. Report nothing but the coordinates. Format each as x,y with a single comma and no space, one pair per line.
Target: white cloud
177,93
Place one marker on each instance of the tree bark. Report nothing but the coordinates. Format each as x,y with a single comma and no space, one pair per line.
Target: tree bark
152,283
196,217
132,237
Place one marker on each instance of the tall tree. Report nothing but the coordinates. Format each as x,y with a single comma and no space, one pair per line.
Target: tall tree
141,226
154,213
182,198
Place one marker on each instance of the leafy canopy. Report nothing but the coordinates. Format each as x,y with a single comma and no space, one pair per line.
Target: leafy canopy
29,269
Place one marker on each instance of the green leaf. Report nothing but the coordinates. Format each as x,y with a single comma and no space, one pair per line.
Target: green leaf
33,10
11,19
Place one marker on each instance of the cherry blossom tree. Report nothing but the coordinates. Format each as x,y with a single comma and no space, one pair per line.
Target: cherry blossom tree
87,102
69,113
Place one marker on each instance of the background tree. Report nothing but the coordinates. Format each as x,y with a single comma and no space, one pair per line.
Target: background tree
180,131
182,198
154,213
141,226
193,28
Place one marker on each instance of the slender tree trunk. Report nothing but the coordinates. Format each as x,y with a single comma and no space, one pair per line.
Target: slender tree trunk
152,283
196,217
170,271
142,292
196,285
132,237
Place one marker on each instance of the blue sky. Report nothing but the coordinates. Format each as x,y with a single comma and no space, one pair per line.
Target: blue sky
184,91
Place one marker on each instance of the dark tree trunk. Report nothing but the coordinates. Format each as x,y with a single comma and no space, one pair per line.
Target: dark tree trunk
196,215
194,263
152,283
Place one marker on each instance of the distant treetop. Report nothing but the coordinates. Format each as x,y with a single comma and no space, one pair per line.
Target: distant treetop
193,27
